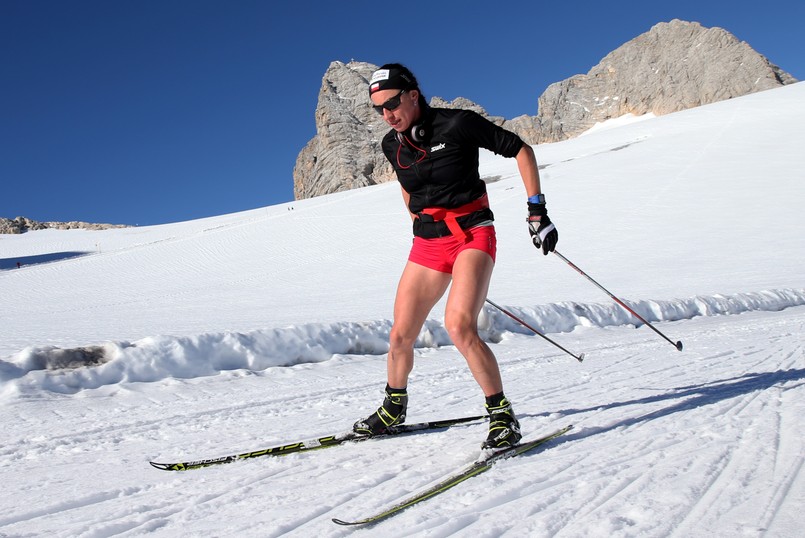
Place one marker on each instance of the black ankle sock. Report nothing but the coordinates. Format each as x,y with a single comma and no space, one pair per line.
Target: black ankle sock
495,399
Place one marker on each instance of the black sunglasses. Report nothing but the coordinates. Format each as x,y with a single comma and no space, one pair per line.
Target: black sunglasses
390,104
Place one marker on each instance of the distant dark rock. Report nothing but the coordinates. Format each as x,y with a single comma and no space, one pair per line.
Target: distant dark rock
21,225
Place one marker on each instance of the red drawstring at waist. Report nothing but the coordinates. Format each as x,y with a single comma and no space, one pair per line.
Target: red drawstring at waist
449,216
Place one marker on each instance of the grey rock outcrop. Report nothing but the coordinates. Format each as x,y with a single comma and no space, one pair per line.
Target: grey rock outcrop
22,224
345,153
674,66
526,127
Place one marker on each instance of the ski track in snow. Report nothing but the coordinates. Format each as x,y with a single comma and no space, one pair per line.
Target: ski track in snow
727,419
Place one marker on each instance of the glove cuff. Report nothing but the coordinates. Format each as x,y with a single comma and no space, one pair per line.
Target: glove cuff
537,210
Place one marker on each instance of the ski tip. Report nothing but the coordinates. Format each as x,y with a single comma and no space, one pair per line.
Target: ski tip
344,523
167,466
358,523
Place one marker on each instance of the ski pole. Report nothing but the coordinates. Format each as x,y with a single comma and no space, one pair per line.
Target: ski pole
677,344
579,357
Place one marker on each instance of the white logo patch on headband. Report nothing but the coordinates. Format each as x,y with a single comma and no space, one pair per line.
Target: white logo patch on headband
379,75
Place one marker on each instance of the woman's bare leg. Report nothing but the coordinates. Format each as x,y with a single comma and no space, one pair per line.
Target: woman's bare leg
420,288
472,272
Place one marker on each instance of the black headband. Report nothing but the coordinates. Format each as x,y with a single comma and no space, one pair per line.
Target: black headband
389,79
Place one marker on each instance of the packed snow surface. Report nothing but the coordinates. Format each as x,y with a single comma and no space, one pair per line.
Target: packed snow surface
230,334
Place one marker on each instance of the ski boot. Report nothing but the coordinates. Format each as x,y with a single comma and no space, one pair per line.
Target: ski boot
391,413
504,429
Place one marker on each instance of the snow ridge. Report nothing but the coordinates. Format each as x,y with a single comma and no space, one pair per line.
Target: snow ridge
157,358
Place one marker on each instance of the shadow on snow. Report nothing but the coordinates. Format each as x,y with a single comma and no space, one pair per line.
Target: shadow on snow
686,398
12,263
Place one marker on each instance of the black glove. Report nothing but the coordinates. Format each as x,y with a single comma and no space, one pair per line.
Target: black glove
543,232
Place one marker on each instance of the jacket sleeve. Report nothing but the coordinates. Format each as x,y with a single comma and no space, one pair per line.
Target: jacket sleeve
485,134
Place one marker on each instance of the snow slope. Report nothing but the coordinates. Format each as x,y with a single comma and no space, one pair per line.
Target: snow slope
228,334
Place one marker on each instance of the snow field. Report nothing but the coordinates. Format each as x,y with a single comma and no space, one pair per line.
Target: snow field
225,335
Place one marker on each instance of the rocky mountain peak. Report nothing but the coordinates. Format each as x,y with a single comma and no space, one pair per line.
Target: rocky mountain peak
674,66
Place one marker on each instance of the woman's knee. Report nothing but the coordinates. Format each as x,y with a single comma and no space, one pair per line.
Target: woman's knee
401,339
462,328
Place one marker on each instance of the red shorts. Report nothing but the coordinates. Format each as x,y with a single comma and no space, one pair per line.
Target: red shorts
440,253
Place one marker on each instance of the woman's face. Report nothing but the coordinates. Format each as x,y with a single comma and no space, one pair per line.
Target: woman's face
404,115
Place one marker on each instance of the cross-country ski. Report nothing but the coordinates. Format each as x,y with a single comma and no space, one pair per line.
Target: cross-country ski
484,463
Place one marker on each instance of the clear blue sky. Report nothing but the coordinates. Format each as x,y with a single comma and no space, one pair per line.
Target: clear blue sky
153,111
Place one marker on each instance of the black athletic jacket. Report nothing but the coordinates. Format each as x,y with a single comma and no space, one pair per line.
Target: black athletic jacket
442,171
